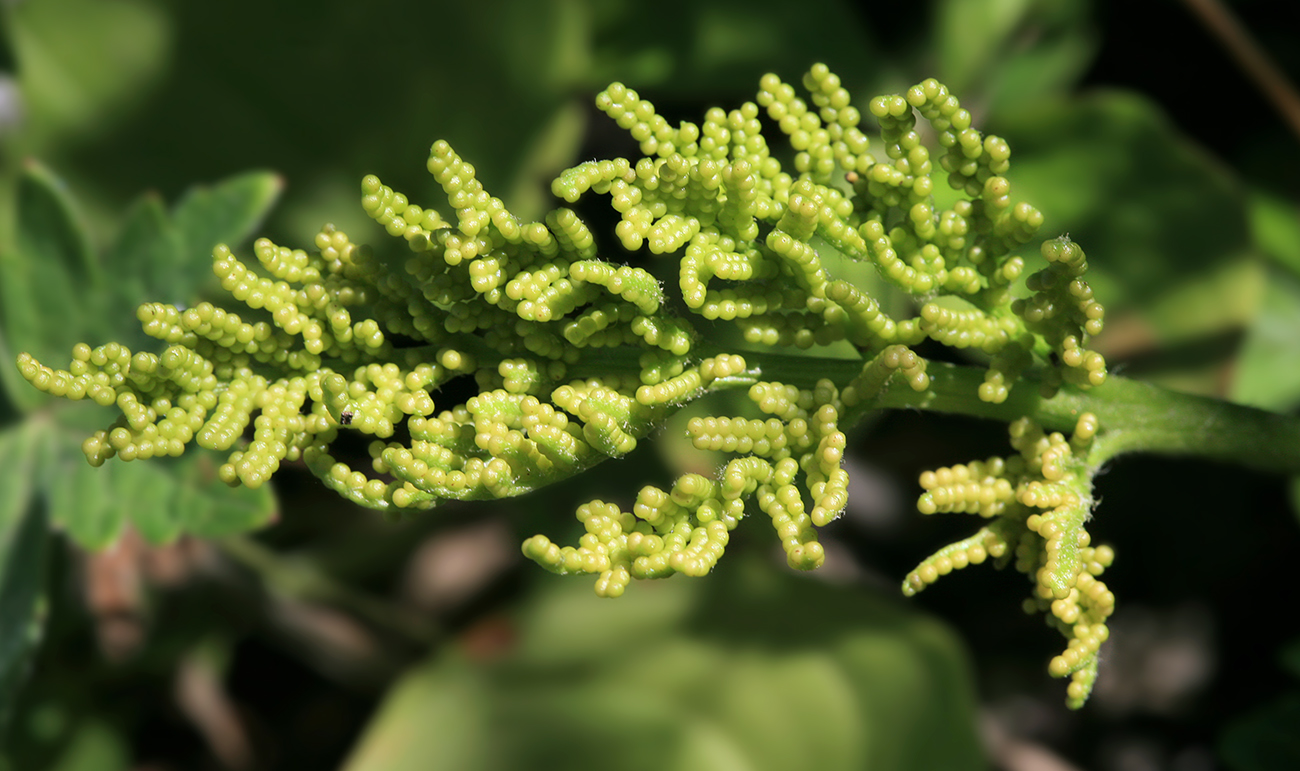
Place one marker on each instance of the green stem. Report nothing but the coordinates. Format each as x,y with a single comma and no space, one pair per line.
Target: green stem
1134,416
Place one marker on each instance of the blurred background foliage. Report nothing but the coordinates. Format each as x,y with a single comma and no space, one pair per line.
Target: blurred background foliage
333,639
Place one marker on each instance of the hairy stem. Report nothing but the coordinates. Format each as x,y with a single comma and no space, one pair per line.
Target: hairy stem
1135,416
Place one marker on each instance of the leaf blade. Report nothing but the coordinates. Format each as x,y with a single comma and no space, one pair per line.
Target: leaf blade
48,279
1268,370
223,213
142,261
24,536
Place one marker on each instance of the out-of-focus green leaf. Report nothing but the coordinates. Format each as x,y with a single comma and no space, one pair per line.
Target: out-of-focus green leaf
553,148
1275,226
207,507
971,36
1266,739
143,494
76,77
53,298
1268,370
94,747
48,279
719,49
1225,296
159,257
161,498
23,537
750,670
78,499
1007,53
1150,209
451,696
550,42
224,213
145,256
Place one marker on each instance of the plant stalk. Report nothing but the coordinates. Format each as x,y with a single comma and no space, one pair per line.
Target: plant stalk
1135,416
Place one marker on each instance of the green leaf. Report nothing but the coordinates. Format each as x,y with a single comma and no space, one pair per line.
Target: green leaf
1004,54
144,494
1275,226
23,538
227,212
207,507
448,695
94,746
750,670
83,63
1226,297
554,146
971,36
162,258
79,499
1268,370
161,498
53,296
48,279
144,259
1151,209
731,42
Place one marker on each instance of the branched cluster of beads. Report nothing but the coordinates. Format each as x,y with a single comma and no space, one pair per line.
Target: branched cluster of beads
685,529
576,356
1036,504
